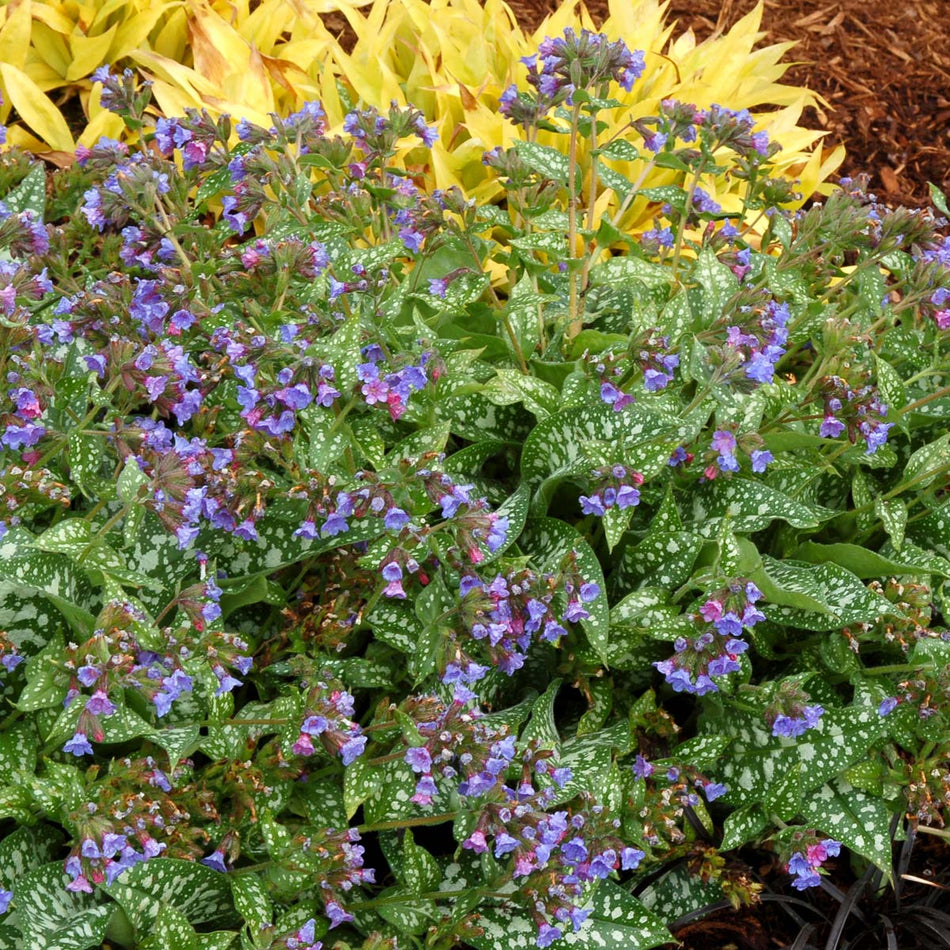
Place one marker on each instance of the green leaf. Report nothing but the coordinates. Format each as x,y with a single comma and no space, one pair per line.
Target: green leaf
201,894
407,916
53,918
131,479
742,826
645,614
45,686
25,849
858,560
861,822
546,161
927,463
665,558
893,515
716,279
360,782
171,931
541,726
750,506
816,596
18,750
679,893
251,900
29,194
617,920
85,454
757,760
938,198
420,871
620,149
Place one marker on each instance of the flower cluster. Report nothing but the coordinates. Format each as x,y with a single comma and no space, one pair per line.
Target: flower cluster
565,64
804,864
507,613
752,351
789,714
335,859
859,411
329,718
722,454
555,856
715,651
616,486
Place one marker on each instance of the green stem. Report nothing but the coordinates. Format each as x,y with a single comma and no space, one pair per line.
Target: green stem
409,822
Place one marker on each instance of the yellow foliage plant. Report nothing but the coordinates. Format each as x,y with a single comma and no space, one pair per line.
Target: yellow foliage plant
449,58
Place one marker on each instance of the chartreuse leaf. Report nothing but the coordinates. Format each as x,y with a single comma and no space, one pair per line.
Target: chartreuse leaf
861,822
756,760
617,920
53,918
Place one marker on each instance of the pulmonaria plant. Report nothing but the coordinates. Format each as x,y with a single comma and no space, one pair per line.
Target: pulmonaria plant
378,561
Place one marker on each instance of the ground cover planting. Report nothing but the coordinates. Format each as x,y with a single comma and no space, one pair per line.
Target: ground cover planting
388,565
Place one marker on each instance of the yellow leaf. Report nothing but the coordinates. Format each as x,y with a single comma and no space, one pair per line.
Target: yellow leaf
88,53
172,39
104,123
50,47
15,34
134,31
35,109
55,19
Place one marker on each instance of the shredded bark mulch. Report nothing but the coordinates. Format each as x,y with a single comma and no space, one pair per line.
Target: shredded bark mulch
883,66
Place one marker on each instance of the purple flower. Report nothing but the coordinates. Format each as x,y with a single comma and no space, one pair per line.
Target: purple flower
215,860
547,935
352,749
99,704
78,745
714,790
831,428
418,758
761,458
887,706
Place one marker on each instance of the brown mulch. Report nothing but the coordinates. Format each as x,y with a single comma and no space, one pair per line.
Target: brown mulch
882,65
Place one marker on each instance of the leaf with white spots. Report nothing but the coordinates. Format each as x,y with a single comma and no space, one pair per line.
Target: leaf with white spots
617,921
742,826
750,506
893,515
251,900
171,931
200,893
756,759
556,445
665,558
717,281
816,596
419,871
679,893
360,781
542,726
861,822
645,614
25,849
53,918
18,750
